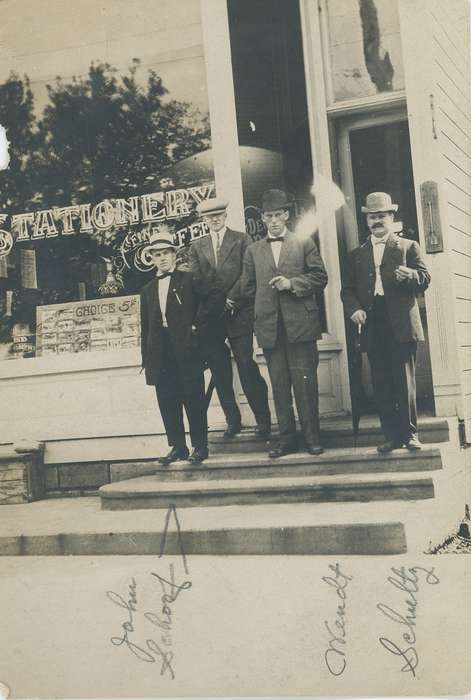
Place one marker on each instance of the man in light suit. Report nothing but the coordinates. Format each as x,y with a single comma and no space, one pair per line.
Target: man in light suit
222,253
385,275
176,312
282,273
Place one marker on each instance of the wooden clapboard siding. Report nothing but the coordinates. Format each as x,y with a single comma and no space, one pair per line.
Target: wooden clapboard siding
449,22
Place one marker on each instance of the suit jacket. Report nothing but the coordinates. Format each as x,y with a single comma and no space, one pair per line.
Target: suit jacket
189,303
229,271
301,263
400,297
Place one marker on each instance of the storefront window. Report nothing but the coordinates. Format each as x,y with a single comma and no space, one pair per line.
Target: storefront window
364,48
110,141
271,107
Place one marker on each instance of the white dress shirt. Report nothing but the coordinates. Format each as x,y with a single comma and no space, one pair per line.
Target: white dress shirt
276,247
164,284
379,245
216,239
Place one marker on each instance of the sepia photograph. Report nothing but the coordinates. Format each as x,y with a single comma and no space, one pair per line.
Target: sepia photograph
235,348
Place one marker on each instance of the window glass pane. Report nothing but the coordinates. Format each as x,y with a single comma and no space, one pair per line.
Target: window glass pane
364,48
107,114
271,106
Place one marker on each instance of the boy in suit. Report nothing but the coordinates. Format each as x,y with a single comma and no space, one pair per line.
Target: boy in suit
385,275
177,310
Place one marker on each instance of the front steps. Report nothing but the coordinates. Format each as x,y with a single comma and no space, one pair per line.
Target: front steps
335,433
335,476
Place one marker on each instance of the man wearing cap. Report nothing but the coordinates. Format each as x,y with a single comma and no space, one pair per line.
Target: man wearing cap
282,273
176,310
222,252
385,275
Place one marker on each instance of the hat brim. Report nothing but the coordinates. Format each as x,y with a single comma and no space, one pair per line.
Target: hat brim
213,211
159,246
384,210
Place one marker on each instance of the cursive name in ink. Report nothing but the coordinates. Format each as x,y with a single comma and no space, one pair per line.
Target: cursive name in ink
406,580
152,651
335,655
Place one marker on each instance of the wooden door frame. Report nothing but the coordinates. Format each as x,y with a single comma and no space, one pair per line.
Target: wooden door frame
343,127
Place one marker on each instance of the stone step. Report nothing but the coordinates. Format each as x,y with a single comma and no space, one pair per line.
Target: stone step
79,527
258,466
148,492
335,433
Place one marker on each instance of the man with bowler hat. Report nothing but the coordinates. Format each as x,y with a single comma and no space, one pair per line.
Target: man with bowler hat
384,277
282,273
176,311
222,252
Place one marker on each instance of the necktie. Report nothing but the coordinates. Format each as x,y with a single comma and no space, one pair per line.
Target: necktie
218,244
279,239
164,275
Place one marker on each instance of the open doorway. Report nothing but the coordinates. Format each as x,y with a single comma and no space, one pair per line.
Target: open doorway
373,154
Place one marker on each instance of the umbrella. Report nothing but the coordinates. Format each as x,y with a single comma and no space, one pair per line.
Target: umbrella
209,393
356,384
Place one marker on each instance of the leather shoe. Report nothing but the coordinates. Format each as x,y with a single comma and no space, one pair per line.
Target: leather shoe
198,455
389,447
232,430
175,454
281,450
413,443
262,430
314,449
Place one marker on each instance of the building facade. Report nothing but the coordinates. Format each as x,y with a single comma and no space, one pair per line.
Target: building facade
327,99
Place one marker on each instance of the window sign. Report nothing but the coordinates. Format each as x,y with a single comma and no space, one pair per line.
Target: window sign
111,143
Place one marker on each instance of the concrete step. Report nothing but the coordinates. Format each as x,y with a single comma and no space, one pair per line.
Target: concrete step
79,527
257,465
335,433
148,492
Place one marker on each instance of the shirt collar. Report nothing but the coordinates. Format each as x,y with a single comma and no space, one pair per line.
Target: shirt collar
166,274
376,241
221,232
282,234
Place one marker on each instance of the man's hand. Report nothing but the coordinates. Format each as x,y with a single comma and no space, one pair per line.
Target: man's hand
405,273
280,283
231,305
359,317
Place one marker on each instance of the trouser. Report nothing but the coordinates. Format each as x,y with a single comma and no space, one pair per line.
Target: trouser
179,388
253,384
393,374
218,357
294,365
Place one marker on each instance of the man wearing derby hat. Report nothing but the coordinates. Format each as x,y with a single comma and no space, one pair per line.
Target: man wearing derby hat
176,310
385,275
222,252
282,273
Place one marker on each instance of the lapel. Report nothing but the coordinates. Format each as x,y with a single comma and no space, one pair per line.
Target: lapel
174,296
207,248
228,243
285,248
367,262
390,250
267,257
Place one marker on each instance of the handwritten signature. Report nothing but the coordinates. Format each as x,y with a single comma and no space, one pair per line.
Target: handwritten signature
407,581
152,651
335,655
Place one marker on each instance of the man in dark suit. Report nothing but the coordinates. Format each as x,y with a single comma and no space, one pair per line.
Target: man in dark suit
176,310
385,275
222,252
282,273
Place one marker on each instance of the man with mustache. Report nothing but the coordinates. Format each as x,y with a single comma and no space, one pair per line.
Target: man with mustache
385,275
